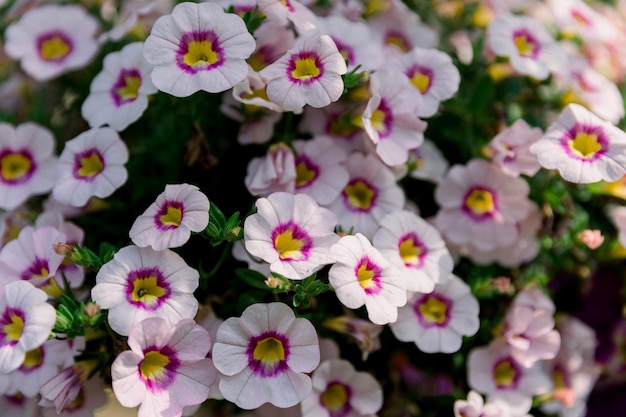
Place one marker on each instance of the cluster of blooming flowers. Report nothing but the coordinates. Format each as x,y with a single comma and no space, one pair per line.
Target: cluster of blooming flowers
365,80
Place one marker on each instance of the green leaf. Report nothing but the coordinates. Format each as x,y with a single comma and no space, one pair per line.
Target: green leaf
253,278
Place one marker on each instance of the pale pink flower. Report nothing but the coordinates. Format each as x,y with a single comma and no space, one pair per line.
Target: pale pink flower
528,45
492,371
198,47
31,257
90,397
320,168
169,221
91,164
575,17
389,118
431,72
437,321
165,369
339,390
362,276
26,320
27,166
118,95
582,147
136,15
428,162
365,333
273,40
416,248
292,233
371,193
50,40
309,73
139,283
511,149
276,171
481,205
264,356
529,328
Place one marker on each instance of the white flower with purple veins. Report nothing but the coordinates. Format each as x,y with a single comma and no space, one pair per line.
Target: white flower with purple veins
140,283
416,247
169,221
198,47
583,147
340,391
371,193
292,233
26,320
362,276
118,95
91,164
437,321
31,256
27,166
165,369
264,356
50,40
527,43
309,73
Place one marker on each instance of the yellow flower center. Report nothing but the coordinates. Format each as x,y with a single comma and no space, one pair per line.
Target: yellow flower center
421,81
378,120
129,90
200,53
304,174
360,195
171,217
147,290
335,397
480,202
288,245
153,365
398,41
504,374
410,251
305,68
433,310
524,45
558,378
15,166
585,145
13,329
54,48
90,165
373,7
269,351
33,359
366,274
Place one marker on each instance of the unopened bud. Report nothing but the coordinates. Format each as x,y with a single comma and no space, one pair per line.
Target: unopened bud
62,248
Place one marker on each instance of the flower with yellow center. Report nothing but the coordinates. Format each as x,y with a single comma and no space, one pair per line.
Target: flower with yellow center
54,47
266,347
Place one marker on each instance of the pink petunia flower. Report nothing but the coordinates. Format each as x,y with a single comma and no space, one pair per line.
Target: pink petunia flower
169,221
139,283
165,369
27,166
582,147
118,95
511,149
309,73
362,276
91,164
52,39
26,320
292,233
264,356
198,47
339,390
437,321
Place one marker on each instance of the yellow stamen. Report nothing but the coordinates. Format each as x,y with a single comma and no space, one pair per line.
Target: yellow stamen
90,165
433,310
130,90
366,276
200,53
504,374
13,330
525,47
410,251
153,365
33,359
585,145
14,166
480,202
269,351
360,195
421,81
147,290
334,398
305,69
304,175
287,245
54,48
172,217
